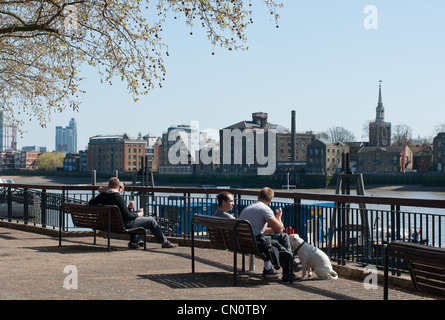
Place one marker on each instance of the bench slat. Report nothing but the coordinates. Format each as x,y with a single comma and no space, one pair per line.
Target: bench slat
98,217
416,251
222,235
426,265
427,268
430,278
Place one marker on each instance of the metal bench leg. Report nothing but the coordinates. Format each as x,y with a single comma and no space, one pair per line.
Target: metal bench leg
60,227
235,267
291,266
109,237
252,262
145,240
244,262
193,249
109,228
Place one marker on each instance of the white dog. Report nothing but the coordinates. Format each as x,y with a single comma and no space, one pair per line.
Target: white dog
312,258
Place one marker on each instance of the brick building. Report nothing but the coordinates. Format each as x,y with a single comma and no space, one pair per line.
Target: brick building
107,154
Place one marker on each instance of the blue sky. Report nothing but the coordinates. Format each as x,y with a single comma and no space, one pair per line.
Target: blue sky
321,62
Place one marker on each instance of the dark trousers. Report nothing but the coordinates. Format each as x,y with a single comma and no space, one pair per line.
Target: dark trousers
147,223
271,244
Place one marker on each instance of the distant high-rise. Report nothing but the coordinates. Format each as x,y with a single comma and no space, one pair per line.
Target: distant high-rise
1,132
8,136
66,138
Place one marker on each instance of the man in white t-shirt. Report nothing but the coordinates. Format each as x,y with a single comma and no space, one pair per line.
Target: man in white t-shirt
267,223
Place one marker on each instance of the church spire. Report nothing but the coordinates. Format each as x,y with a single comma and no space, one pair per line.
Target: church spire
380,110
380,93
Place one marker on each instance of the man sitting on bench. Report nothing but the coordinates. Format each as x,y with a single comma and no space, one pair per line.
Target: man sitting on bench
225,204
131,219
268,229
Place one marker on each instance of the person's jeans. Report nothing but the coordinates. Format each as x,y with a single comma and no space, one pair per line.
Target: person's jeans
282,243
147,223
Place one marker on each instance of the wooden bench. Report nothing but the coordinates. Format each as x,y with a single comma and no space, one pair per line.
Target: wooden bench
231,234
426,266
98,217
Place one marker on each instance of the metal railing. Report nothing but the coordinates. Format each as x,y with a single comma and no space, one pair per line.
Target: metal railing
347,227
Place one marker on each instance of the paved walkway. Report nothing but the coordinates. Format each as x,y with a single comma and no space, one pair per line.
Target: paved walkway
33,266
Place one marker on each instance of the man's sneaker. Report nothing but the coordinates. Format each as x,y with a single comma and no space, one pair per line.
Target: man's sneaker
297,265
133,245
287,278
141,244
270,274
168,244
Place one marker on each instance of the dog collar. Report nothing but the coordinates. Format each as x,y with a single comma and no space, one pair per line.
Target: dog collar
298,248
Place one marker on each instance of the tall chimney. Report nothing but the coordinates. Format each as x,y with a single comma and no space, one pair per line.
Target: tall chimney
292,139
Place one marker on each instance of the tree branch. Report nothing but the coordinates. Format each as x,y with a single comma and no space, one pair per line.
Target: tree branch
27,28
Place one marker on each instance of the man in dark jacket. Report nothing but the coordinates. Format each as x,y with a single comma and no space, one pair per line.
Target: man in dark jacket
131,219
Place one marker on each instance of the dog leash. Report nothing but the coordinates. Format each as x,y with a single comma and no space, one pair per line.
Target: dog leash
298,248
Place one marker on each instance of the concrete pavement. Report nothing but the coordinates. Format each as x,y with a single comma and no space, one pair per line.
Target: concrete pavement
33,266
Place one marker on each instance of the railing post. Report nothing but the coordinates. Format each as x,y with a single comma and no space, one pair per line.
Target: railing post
60,225
193,248
398,223
43,208
236,205
297,215
93,181
395,233
385,278
9,204
392,228
62,215
343,233
25,206
188,215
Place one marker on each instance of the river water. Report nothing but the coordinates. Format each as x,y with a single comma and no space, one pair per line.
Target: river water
410,192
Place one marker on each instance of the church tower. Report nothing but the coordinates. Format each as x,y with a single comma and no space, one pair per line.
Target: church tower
379,130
